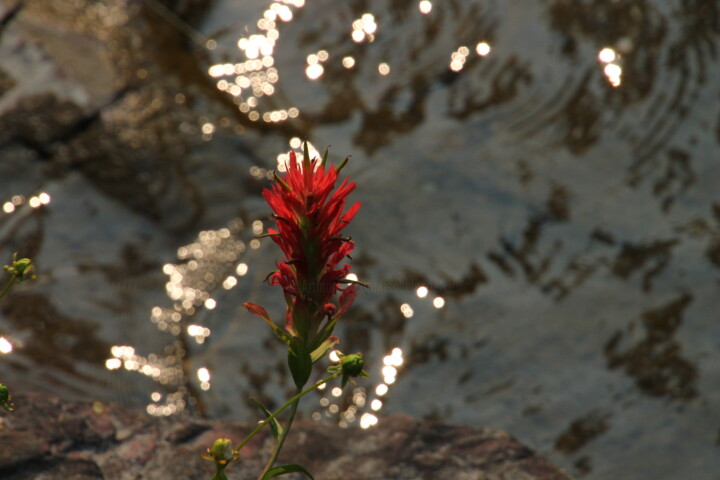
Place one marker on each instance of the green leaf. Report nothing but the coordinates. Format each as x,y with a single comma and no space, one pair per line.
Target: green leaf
326,332
343,163
300,362
283,469
306,155
320,351
275,426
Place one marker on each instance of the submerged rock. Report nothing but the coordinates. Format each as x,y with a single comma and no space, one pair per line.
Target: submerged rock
47,438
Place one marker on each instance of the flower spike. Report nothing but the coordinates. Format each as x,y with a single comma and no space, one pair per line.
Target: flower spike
310,215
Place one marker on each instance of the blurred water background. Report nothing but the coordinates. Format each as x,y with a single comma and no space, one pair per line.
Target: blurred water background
540,223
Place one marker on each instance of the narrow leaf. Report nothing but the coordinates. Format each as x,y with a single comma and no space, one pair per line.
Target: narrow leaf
281,182
275,426
306,156
299,362
343,163
262,313
320,351
284,469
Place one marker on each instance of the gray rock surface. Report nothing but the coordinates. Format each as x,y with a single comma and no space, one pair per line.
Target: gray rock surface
46,438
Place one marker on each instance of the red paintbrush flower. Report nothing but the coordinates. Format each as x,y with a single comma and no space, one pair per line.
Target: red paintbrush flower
310,220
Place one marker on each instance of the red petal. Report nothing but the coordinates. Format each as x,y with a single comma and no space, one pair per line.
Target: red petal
256,309
346,299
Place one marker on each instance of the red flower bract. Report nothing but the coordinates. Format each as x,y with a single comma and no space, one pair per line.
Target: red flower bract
310,220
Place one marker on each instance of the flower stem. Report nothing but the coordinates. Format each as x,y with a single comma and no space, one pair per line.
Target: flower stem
289,403
7,287
281,440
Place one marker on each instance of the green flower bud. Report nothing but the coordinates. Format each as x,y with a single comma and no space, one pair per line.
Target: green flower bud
5,397
352,364
24,269
221,451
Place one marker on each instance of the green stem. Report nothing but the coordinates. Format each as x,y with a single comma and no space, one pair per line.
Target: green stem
281,409
281,440
7,287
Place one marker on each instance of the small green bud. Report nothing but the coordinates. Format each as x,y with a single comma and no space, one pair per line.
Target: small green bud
23,269
352,364
221,452
5,398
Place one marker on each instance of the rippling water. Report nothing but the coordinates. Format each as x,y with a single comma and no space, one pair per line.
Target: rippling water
540,227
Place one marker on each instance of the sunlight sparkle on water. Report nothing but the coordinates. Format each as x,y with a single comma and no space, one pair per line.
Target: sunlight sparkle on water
315,71
35,201
348,62
368,420
606,55
5,345
113,363
458,58
422,292
395,358
203,374
204,266
364,28
613,73
389,373
359,397
122,351
425,6
229,282
612,70
482,49
438,302
384,68
198,332
253,78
